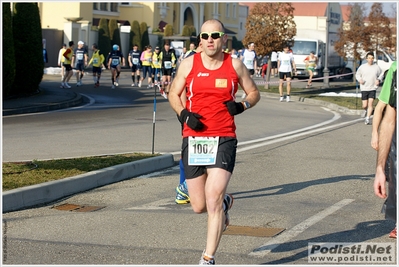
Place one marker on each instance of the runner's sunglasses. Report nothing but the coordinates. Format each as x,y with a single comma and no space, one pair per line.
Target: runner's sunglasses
213,35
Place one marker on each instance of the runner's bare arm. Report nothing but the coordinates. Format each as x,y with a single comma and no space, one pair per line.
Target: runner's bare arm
246,82
179,84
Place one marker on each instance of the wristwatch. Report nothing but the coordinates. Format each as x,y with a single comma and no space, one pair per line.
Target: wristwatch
246,104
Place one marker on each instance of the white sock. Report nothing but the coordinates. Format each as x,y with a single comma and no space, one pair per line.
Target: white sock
206,255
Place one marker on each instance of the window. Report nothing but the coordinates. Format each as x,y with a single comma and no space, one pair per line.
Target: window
114,7
95,7
381,56
227,10
104,6
304,47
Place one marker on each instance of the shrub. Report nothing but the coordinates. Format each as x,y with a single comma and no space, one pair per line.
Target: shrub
168,30
114,33
135,35
104,41
145,39
28,47
8,51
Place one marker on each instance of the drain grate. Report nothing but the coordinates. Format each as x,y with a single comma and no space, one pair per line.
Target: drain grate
252,231
77,208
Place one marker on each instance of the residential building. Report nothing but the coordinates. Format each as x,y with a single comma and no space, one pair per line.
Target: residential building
65,21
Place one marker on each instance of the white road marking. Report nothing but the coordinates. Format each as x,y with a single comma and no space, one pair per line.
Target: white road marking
289,135
336,117
153,174
297,229
162,204
91,102
284,137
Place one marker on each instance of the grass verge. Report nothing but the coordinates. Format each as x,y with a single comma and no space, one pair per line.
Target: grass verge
19,174
347,102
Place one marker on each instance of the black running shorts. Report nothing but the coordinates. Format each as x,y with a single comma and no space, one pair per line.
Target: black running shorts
225,159
368,94
283,75
68,67
167,72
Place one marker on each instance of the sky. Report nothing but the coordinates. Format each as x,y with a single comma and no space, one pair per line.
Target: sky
386,5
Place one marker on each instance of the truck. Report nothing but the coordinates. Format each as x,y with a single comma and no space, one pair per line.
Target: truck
312,36
302,48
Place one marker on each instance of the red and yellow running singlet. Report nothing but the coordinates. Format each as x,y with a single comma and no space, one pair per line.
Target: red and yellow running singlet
207,90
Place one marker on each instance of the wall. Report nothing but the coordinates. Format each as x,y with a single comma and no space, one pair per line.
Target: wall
54,41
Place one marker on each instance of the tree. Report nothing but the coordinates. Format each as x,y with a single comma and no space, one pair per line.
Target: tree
270,26
378,32
135,35
104,41
28,47
114,33
394,28
350,41
145,39
8,51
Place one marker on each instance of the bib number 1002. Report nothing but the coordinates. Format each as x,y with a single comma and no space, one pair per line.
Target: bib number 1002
199,148
202,150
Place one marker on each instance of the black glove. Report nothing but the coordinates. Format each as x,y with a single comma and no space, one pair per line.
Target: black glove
191,119
234,108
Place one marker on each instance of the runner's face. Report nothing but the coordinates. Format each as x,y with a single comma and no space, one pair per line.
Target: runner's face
211,46
370,60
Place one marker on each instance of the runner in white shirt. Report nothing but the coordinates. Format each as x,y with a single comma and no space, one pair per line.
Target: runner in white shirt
286,65
248,57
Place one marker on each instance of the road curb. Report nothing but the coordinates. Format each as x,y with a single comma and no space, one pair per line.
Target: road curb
44,193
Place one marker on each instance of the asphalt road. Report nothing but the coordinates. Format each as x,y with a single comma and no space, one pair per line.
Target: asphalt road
121,120
299,167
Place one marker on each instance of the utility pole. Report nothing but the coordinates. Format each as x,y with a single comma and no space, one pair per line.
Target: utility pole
326,71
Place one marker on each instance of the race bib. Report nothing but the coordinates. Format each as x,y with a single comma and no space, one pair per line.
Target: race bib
202,150
249,62
79,56
168,64
135,61
115,61
95,61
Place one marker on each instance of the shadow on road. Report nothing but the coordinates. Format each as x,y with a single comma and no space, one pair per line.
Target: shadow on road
363,232
292,187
